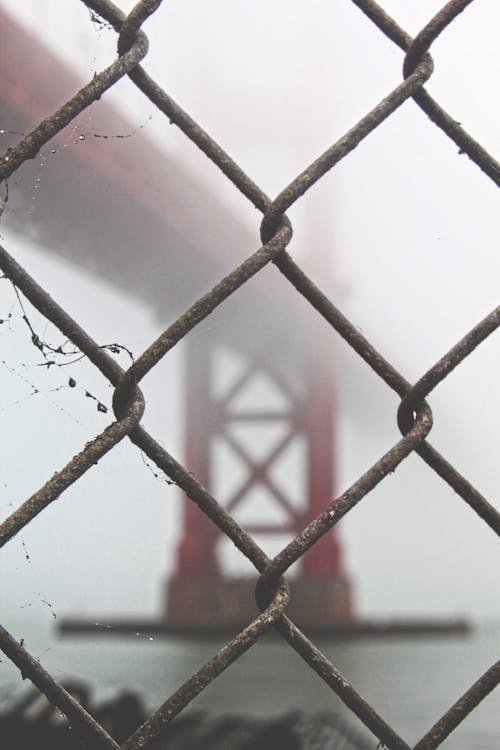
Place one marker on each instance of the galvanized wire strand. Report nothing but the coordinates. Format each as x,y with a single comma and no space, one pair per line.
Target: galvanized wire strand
161,718
443,367
347,330
466,144
461,709
449,125
177,116
438,23
386,23
453,129
341,505
100,445
31,144
203,307
132,24
392,377
332,677
198,494
344,146
43,302
460,485
76,468
78,717
421,390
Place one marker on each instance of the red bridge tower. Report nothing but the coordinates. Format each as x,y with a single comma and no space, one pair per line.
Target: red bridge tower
260,437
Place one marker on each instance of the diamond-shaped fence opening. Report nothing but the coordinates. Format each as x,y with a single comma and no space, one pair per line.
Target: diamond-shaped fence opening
194,305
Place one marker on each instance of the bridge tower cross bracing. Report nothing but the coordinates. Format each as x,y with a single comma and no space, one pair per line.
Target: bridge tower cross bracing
261,440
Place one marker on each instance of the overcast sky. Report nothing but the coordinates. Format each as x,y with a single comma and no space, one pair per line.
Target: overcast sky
409,229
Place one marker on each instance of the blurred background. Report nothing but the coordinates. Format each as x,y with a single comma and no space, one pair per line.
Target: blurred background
402,235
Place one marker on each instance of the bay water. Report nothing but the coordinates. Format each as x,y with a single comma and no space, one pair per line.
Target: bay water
409,681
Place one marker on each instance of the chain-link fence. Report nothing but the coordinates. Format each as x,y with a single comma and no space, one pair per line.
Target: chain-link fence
414,415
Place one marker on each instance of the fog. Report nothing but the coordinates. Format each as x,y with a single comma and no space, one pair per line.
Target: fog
405,239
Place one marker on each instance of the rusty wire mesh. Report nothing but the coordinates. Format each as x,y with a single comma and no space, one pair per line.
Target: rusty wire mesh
414,415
